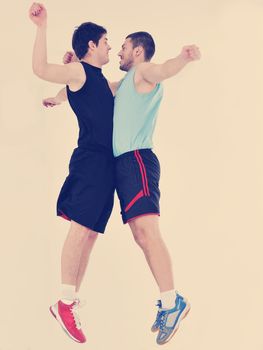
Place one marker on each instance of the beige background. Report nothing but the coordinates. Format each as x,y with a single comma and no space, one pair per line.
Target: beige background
209,141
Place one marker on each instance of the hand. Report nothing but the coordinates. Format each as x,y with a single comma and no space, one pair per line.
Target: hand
190,53
70,57
50,102
38,14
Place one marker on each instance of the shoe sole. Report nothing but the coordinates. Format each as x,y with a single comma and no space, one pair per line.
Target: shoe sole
181,317
54,311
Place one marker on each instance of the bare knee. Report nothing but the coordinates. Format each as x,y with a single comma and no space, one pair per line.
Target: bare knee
139,234
81,234
145,232
145,236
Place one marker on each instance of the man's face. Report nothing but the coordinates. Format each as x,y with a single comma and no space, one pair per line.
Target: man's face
102,50
126,55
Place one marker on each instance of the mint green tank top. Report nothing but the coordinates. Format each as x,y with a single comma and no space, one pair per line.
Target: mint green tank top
134,116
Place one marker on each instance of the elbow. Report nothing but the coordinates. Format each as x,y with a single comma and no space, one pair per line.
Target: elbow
38,71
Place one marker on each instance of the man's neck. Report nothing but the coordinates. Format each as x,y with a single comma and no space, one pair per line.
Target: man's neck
134,65
92,62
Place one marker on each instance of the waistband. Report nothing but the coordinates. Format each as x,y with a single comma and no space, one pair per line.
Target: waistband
132,153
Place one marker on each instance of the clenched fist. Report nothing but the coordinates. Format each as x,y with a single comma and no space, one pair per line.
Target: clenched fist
190,53
38,14
50,102
70,57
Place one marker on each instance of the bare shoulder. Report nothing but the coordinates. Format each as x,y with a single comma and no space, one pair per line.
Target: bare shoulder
78,75
141,71
77,68
142,84
144,66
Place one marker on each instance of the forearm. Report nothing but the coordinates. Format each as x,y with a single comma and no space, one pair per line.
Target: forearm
173,66
62,95
39,60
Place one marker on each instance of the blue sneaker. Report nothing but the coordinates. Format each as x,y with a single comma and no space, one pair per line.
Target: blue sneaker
169,320
155,326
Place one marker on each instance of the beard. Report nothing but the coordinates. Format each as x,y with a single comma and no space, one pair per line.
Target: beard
126,66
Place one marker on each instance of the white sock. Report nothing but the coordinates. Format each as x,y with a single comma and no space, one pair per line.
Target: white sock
168,299
68,293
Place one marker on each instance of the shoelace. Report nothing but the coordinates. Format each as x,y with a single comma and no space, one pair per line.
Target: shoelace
163,318
77,304
158,316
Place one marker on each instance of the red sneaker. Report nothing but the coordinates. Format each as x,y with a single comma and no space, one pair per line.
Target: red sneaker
67,317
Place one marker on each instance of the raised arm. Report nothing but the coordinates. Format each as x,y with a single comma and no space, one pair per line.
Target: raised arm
62,74
155,73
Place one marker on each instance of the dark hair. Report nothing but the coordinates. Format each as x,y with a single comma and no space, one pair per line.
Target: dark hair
83,34
145,40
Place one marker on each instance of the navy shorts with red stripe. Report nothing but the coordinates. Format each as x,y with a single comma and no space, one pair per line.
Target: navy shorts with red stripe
137,183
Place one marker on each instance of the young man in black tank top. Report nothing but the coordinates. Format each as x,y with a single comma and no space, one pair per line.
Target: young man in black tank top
86,197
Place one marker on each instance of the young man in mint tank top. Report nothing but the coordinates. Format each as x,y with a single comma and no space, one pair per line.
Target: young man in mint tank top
137,100
86,197
136,105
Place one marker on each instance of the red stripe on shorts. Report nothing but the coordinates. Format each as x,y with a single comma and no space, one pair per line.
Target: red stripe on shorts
142,173
138,196
147,192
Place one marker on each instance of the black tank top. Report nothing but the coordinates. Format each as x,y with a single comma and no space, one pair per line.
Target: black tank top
93,105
